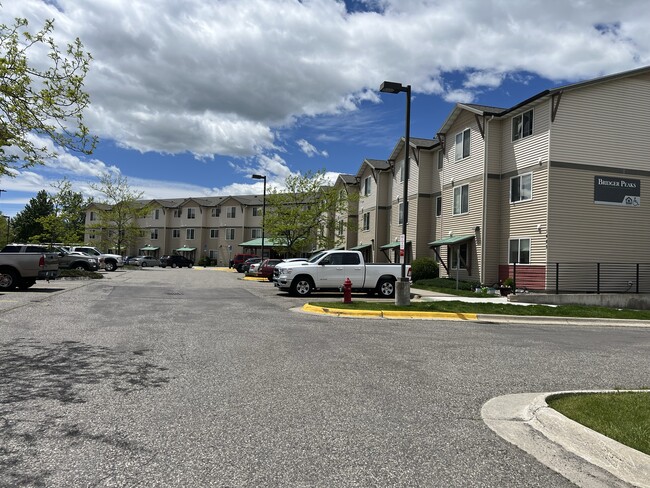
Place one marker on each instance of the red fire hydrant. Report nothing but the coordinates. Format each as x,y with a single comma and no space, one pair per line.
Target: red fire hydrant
347,291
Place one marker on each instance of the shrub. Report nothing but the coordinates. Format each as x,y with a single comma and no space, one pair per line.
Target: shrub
205,261
424,269
509,282
79,273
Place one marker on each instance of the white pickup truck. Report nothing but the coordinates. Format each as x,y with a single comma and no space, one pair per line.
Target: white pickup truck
328,270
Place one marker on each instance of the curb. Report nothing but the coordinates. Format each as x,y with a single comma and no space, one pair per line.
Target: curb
339,312
582,455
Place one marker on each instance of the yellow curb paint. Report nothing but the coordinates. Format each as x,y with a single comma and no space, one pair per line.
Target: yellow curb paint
389,314
254,278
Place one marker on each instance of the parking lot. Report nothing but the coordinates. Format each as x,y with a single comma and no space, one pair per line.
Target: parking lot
193,377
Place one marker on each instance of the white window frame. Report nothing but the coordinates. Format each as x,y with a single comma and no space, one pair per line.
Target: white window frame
176,233
257,211
190,234
438,206
256,233
518,240
92,216
400,213
521,188
231,212
340,227
367,186
463,140
215,212
441,158
401,171
519,129
178,213
366,221
154,234
191,213
156,214
214,233
230,234
459,200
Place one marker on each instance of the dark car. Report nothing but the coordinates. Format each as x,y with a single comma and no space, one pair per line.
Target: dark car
176,261
239,259
243,267
266,268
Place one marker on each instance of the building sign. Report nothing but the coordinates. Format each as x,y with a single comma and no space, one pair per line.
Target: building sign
609,190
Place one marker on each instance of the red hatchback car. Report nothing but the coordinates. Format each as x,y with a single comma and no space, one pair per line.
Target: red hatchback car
266,268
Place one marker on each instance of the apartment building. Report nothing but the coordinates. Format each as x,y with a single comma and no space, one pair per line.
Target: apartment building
553,180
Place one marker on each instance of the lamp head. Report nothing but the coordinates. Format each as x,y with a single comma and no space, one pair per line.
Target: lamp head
391,87
258,177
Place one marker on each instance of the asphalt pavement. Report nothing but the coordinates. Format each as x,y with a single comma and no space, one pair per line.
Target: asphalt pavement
162,377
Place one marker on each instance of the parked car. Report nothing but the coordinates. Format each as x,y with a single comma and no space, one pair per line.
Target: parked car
144,261
276,270
239,259
252,269
127,260
76,260
243,267
176,261
266,267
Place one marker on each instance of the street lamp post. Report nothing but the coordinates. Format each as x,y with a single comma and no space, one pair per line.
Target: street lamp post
262,177
403,287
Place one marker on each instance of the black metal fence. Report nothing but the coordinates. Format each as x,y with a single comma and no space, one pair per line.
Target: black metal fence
598,277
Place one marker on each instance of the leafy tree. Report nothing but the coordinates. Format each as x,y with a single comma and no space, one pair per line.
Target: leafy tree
302,216
47,102
5,229
66,223
118,211
27,224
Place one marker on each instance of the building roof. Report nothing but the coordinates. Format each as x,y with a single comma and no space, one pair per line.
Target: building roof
374,164
414,142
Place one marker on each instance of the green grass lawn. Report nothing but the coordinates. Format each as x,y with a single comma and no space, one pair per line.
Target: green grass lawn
495,308
624,417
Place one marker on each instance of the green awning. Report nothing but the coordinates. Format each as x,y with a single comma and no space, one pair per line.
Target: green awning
185,249
360,247
392,245
452,240
149,248
268,242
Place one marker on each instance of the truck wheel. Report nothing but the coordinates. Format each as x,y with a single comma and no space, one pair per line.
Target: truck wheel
174,265
81,267
301,286
24,284
110,266
386,288
144,265
8,280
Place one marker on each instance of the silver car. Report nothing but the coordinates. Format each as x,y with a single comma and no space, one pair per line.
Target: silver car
144,261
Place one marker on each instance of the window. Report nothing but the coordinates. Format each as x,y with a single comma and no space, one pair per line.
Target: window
461,250
177,213
214,233
400,213
215,212
340,228
154,233
366,185
366,221
257,211
441,156
461,199
230,234
519,251
522,125
213,254
191,213
156,214
462,144
176,233
189,234
92,216
438,206
256,233
91,236
231,213
401,172
521,188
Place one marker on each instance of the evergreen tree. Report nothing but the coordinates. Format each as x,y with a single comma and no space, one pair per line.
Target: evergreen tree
27,224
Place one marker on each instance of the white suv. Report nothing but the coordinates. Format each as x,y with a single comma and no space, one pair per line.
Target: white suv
110,262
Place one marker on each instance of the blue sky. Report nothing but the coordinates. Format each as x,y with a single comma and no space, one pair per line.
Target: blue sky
190,98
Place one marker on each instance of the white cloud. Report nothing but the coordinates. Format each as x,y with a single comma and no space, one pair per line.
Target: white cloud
309,149
219,77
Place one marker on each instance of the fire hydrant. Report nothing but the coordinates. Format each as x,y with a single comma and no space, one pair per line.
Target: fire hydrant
347,291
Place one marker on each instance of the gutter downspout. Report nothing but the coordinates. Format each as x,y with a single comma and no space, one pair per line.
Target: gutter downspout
485,199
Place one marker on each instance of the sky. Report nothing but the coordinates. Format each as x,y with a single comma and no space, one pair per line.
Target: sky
190,98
